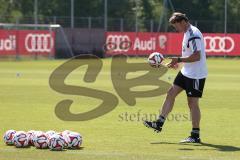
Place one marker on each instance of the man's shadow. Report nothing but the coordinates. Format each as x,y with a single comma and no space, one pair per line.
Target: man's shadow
222,148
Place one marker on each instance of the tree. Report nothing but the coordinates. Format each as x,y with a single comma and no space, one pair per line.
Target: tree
7,11
208,15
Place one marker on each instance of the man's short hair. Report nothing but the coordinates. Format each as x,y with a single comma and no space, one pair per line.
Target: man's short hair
178,17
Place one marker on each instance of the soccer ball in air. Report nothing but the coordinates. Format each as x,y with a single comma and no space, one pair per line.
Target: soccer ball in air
155,59
8,137
20,139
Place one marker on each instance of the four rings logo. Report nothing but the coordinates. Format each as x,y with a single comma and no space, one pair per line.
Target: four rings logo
219,44
117,43
39,42
122,43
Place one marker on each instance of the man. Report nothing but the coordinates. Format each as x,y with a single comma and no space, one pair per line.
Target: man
191,78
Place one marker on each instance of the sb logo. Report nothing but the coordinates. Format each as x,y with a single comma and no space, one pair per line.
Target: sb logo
122,85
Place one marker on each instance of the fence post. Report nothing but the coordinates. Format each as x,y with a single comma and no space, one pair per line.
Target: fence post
136,24
17,39
36,11
72,14
17,20
121,24
225,21
196,23
89,22
151,25
105,15
54,19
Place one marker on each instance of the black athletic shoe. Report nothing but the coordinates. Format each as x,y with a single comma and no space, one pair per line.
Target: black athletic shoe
191,140
155,125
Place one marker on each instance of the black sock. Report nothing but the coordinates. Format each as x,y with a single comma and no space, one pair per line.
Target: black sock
195,132
161,120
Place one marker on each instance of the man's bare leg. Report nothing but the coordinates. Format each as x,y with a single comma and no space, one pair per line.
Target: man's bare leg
169,101
193,104
166,109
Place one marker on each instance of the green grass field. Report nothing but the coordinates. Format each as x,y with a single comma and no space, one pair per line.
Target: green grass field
27,102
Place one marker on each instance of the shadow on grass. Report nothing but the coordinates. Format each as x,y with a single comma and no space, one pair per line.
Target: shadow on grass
222,148
80,148
22,147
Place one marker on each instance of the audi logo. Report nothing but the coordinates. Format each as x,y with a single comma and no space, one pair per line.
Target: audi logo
117,43
219,44
122,43
39,42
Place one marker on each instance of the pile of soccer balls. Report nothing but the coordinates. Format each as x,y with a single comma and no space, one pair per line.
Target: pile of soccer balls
42,140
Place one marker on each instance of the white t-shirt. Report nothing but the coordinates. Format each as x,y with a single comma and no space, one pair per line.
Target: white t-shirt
193,41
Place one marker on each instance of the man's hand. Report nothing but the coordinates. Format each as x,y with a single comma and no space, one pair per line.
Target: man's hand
192,58
172,64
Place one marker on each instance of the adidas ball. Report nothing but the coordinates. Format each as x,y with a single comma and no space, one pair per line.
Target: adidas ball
56,142
30,137
8,137
33,136
40,140
155,59
50,133
20,139
65,132
73,139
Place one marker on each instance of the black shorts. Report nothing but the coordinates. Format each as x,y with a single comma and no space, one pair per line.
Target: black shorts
193,87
